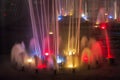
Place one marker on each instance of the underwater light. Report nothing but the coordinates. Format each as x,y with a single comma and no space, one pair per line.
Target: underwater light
85,59
60,59
70,66
60,18
70,53
110,17
103,25
84,17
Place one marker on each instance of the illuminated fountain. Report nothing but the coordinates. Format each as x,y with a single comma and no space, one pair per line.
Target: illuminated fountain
91,54
45,25
103,24
17,54
51,40
20,57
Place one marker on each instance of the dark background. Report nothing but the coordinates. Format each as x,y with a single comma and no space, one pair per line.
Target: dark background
15,25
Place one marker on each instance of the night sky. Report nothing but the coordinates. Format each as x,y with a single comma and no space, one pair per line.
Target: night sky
15,25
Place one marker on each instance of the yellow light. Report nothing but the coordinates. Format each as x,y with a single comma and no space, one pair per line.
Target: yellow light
106,14
29,60
95,26
97,23
65,14
72,61
70,66
74,51
50,32
70,53
71,13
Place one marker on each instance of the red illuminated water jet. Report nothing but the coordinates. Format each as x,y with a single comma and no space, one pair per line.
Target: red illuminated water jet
109,55
103,26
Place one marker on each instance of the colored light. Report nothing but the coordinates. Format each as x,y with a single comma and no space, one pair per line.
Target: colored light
103,25
46,53
84,16
59,18
85,59
108,45
70,53
60,59
106,14
97,23
110,17
70,66
71,14
41,66
65,14
50,32
95,26
29,60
